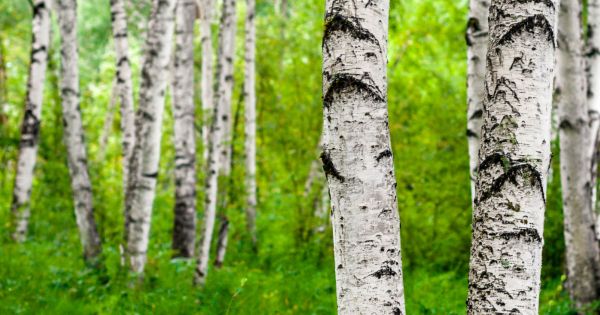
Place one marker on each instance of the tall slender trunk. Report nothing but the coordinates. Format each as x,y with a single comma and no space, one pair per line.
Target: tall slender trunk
124,83
250,118
357,158
73,131
148,124
222,240
218,148
28,145
477,41
583,259
508,219
593,93
108,121
184,230
206,9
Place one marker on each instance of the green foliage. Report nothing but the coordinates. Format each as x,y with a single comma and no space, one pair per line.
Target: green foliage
292,271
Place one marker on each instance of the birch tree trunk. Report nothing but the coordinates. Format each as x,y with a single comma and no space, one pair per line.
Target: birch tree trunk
477,41
583,260
73,131
124,83
206,9
357,158
184,230
593,93
508,219
28,145
222,240
250,118
148,124
218,148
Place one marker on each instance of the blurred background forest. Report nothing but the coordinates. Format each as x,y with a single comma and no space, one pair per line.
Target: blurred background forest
292,271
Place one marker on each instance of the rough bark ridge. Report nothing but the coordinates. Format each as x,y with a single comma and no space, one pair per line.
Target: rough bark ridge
357,158
148,124
583,259
508,219
124,84
205,10
250,118
73,131
184,230
477,41
217,151
593,93
28,145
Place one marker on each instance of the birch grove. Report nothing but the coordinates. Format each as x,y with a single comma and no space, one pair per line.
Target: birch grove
358,160
30,127
184,230
477,41
583,259
148,124
124,83
508,219
217,149
250,118
73,131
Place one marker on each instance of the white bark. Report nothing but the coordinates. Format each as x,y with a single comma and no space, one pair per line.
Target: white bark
206,9
217,147
583,259
148,123
28,145
124,83
477,41
108,121
250,118
593,93
73,131
508,220
184,230
357,158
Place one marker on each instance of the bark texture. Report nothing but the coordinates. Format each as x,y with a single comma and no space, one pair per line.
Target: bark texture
148,125
184,230
73,131
217,152
357,158
250,118
477,41
506,250
30,127
124,84
206,82
593,93
583,259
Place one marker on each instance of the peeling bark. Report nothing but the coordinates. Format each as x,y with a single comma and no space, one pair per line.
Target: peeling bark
28,145
583,259
148,124
250,118
73,132
508,219
357,158
124,84
184,230
477,41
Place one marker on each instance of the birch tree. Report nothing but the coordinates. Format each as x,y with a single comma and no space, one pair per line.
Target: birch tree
184,230
124,84
205,9
477,40
30,127
73,131
357,158
148,124
218,148
593,94
508,219
583,259
250,117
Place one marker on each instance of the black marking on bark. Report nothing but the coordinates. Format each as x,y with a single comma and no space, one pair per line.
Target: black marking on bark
472,28
396,311
529,234
66,91
342,81
37,9
523,170
385,271
335,22
476,114
151,175
329,168
548,3
529,24
384,154
471,134
30,130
